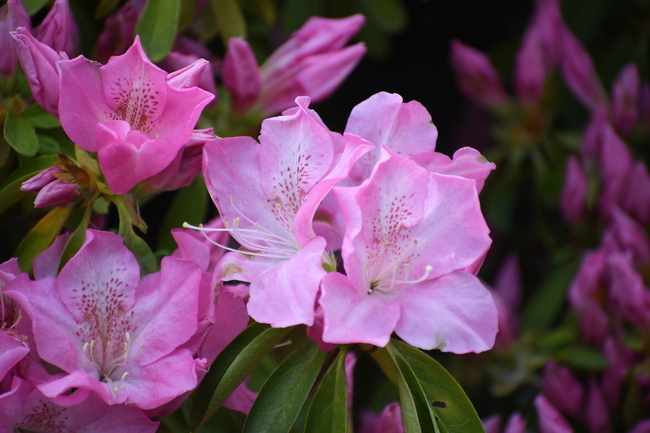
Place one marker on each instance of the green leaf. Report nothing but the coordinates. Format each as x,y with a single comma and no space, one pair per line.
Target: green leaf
446,397
10,192
41,236
229,18
582,357
157,27
417,414
328,412
77,238
283,394
20,134
105,7
231,367
391,15
189,205
40,118
549,298
33,6
133,242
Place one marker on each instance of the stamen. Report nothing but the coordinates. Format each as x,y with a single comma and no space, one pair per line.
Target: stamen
203,232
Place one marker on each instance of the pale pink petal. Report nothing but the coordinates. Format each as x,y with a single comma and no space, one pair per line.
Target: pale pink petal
83,106
453,313
279,298
467,162
353,316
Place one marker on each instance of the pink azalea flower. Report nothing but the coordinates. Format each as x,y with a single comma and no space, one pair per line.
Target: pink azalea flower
111,332
135,116
312,62
25,408
267,195
404,254
12,16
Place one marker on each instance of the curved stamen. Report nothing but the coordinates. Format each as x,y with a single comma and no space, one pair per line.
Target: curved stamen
248,253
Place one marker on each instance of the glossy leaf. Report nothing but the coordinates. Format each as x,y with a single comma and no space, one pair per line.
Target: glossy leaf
445,396
41,236
549,299
229,19
157,27
33,6
417,414
283,394
10,192
231,367
20,134
133,242
328,412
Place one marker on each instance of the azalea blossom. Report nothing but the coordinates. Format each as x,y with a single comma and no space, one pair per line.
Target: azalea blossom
132,113
411,235
108,330
267,195
25,408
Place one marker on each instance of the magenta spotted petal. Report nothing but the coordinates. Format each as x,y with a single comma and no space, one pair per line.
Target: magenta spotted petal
113,333
267,195
135,115
410,236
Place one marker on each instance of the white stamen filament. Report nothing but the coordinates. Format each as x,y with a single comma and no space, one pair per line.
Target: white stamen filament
107,369
383,282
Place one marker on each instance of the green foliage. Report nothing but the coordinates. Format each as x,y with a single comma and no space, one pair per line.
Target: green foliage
157,27
283,394
230,368
328,412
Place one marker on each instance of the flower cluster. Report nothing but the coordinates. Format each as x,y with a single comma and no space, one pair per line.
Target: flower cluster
413,236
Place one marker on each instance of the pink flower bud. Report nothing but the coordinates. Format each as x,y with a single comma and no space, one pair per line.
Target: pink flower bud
550,420
39,63
626,96
585,295
561,387
579,73
12,16
241,75
312,62
477,78
597,414
574,192
50,190
530,73
59,29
